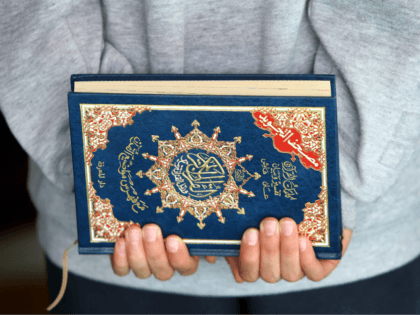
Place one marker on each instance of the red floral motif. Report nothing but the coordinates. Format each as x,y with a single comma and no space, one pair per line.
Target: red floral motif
315,223
97,121
298,131
102,220
96,124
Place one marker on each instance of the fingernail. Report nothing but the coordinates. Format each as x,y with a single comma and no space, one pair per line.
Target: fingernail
133,236
287,228
302,244
252,237
270,227
172,245
151,234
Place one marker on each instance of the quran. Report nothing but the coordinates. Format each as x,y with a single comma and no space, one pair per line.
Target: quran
205,157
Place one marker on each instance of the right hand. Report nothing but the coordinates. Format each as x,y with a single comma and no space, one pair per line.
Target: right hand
142,250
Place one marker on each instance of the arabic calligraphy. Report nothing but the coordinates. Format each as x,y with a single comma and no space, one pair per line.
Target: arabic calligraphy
195,174
198,174
177,173
274,171
287,140
265,167
101,174
266,185
125,159
288,171
289,174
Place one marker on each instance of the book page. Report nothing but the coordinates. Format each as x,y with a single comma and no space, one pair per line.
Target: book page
228,87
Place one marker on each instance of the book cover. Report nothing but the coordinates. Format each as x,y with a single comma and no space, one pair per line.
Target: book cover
205,157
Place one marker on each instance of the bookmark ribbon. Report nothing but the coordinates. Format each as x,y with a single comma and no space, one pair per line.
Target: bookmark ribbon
65,276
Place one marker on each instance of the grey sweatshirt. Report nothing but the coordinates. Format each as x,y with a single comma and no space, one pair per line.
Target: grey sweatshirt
372,47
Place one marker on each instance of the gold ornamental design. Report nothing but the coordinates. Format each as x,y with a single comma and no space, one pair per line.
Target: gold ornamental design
96,122
196,174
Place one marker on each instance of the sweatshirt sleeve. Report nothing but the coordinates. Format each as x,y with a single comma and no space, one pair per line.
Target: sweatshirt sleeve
40,47
373,48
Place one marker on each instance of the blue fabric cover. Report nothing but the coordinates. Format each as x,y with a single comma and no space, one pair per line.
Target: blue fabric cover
232,124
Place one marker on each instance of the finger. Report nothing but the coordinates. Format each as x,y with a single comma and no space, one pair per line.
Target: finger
311,266
234,266
179,257
119,259
155,252
211,259
289,251
270,250
330,265
135,252
249,256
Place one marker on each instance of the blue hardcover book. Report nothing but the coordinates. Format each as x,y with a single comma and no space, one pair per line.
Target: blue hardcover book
205,157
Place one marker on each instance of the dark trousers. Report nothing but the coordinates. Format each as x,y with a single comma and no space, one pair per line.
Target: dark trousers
397,291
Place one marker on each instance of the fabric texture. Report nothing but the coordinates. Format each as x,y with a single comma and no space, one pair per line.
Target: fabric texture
372,47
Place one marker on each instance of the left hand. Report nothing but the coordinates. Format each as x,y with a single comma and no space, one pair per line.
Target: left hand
276,251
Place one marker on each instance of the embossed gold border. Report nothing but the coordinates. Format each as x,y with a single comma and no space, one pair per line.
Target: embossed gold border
84,107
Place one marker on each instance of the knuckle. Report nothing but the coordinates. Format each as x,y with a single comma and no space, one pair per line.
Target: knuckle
250,279
270,250
270,278
135,254
188,272
289,248
121,273
316,278
185,269
164,275
157,260
247,276
291,277
142,274
155,252
237,277
249,260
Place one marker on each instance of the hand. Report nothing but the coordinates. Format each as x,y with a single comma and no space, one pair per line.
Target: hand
143,251
276,251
